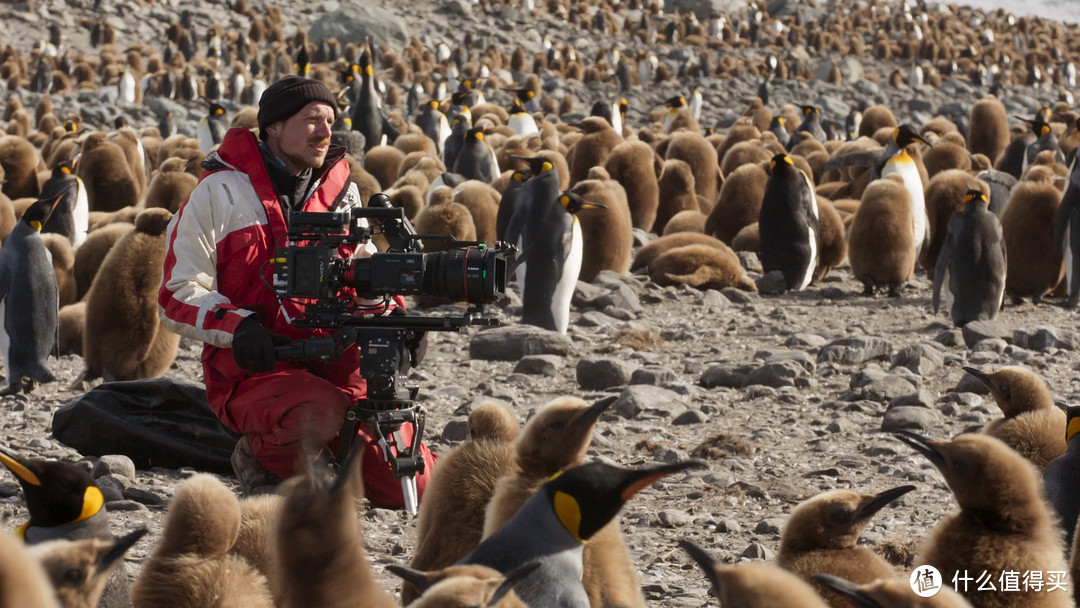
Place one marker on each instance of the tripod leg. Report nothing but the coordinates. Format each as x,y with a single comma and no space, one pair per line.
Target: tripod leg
408,492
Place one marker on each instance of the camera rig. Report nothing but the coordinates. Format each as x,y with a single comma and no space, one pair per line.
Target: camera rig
341,292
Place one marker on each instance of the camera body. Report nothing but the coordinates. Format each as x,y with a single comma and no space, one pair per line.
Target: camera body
310,266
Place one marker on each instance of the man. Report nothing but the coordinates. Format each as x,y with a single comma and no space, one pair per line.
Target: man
216,288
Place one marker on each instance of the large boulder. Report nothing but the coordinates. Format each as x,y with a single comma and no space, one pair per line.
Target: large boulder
355,22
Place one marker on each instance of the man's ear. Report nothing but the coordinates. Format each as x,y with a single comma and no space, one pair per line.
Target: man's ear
274,129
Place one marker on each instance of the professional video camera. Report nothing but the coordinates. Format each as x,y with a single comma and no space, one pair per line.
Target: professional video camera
338,291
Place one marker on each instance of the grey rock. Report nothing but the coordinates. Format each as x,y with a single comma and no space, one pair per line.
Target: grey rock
111,488
355,22
690,417
749,261
992,345
714,299
909,418
673,518
125,505
512,342
921,359
888,388
1044,337
832,293
804,340
539,365
725,374
981,330
456,8
950,337
456,431
143,496
585,293
855,350
621,297
971,384
601,373
609,279
739,296
770,525
595,318
653,374
772,284
114,464
797,356
922,398
776,375
622,314
637,398
758,551
728,525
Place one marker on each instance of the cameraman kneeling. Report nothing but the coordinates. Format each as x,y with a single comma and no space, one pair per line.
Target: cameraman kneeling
216,288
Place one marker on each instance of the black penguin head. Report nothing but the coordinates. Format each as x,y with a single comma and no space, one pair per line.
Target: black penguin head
1042,113
65,168
515,106
587,497
809,110
1072,421
537,164
624,105
461,119
975,194
523,94
574,203
904,135
675,102
37,214
476,133
1038,126
213,108
779,161
460,96
57,493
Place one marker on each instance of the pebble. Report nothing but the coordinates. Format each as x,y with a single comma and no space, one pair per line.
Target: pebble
599,374
976,331
739,296
1042,338
512,342
455,431
725,374
673,518
125,505
758,551
910,418
653,374
772,284
638,397
540,365
776,375
690,417
855,350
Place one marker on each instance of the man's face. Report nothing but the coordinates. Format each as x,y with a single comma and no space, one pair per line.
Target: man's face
303,139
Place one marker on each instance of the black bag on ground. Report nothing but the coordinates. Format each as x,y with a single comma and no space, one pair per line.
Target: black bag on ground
157,422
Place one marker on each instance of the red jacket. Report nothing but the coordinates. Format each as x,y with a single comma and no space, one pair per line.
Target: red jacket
218,266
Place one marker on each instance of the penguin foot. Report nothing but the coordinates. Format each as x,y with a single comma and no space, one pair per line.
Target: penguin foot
868,289
1073,301
20,385
894,291
1036,299
1016,300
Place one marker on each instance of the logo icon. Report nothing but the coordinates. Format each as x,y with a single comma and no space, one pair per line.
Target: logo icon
925,581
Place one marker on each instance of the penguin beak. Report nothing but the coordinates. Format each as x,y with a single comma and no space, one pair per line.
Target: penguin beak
704,561
414,577
981,376
848,590
923,446
18,469
923,140
119,548
640,479
879,502
591,415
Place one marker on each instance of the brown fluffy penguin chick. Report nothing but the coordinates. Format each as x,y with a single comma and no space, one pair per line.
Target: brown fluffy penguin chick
686,221
450,522
746,153
593,148
702,267
1027,221
831,238
470,586
607,233
988,130
408,197
383,163
170,186
79,570
446,218
23,582
892,592
92,252
319,544
190,567
739,204
254,540
1032,425
678,193
104,170
749,239
72,320
482,201
876,118
20,161
881,246
63,262
821,536
696,151
555,438
757,585
1003,523
655,249
944,197
637,167
125,339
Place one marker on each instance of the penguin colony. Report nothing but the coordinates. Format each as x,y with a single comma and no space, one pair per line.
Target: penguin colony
473,155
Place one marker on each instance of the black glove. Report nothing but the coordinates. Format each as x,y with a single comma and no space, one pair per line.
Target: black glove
253,346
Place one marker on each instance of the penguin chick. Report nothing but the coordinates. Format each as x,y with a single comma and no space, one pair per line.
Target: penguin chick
700,266
1027,221
740,202
190,567
465,586
254,540
637,167
79,570
822,532
1003,522
645,255
553,526
72,319
1032,425
607,232
1059,482
23,582
881,247
90,255
450,521
891,592
677,184
319,544
757,585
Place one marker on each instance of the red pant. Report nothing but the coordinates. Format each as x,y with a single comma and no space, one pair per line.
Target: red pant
282,410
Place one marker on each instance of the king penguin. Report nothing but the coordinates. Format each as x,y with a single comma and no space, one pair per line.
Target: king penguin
434,124
788,223
673,104
1060,479
29,300
1067,234
1045,140
811,124
476,159
212,127
521,122
367,109
508,202
972,262
71,216
459,128
553,250
895,159
553,526
541,188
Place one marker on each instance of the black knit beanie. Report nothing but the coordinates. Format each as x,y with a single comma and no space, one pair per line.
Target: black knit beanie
287,96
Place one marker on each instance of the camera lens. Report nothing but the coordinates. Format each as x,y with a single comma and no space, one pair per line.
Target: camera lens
472,275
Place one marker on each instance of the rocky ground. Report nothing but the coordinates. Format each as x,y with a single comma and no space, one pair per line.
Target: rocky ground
785,396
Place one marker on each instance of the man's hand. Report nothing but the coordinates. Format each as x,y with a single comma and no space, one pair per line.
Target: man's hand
253,346
417,343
